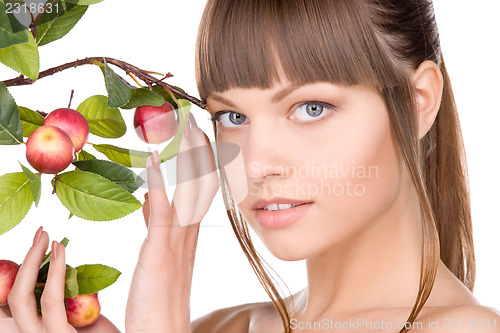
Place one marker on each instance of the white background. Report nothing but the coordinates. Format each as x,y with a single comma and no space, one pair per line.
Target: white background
160,36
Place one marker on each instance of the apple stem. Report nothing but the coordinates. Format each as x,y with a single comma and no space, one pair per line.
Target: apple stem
55,184
71,98
173,97
41,113
151,72
164,77
133,78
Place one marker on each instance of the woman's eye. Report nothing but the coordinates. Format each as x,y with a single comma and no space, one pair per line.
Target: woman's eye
311,110
304,112
229,118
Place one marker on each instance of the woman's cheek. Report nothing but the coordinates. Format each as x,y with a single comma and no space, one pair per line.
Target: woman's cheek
366,172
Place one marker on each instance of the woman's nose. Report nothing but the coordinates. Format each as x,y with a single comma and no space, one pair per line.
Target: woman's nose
264,154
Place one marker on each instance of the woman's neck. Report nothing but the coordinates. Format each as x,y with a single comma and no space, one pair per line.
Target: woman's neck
377,268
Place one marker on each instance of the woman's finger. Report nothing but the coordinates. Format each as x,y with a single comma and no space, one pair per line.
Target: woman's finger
208,180
160,211
54,313
186,189
21,299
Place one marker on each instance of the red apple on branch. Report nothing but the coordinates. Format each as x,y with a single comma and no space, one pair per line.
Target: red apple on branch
8,272
72,122
49,149
156,124
83,310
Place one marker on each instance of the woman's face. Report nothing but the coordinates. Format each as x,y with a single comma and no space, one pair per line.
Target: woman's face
321,143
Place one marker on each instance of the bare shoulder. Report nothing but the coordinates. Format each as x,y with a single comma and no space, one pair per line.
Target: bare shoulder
232,319
468,318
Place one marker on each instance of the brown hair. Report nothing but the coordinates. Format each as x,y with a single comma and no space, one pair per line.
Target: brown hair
243,43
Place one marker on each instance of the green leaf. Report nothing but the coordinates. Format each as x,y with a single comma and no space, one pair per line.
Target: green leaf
93,278
119,91
11,31
58,22
30,120
103,121
127,157
93,197
22,58
85,2
64,242
35,184
143,96
38,297
71,283
15,199
115,172
172,149
84,155
11,129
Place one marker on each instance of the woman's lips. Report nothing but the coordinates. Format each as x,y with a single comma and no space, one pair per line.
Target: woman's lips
281,218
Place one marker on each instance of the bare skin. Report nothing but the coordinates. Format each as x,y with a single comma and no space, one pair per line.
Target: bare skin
21,314
159,293
362,251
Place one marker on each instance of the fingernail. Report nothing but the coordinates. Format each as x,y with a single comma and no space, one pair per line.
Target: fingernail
37,237
156,163
54,250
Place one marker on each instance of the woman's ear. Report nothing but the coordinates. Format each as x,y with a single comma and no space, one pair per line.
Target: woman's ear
428,89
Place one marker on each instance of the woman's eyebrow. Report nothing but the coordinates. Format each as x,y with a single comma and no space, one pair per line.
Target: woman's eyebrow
283,93
222,100
275,99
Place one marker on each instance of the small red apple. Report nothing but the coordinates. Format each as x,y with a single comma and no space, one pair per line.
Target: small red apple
49,149
156,124
72,122
83,310
8,272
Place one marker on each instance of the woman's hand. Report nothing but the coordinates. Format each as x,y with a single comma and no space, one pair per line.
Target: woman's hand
21,315
161,285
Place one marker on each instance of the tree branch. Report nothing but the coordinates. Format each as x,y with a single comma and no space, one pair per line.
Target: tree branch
21,80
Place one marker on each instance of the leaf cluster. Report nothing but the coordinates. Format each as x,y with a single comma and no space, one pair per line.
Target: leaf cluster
19,44
97,189
82,280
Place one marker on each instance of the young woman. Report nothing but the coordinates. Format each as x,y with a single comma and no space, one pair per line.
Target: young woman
345,109
351,85
351,158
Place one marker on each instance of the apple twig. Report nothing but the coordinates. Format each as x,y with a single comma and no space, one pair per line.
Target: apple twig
144,75
71,98
41,113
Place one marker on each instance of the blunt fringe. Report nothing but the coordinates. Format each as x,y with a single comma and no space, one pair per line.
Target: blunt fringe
378,43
